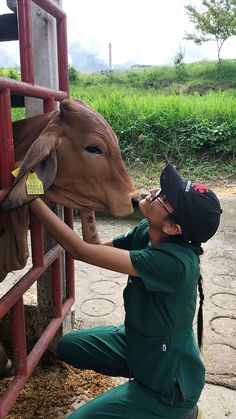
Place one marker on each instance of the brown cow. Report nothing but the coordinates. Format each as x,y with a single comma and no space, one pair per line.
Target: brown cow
75,153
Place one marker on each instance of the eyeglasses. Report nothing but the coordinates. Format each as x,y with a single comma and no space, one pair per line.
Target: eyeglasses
158,196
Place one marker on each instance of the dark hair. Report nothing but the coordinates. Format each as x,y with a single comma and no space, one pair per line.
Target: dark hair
200,313
198,250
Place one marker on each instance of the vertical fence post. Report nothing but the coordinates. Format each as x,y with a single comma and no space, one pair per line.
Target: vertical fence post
6,140
25,38
18,338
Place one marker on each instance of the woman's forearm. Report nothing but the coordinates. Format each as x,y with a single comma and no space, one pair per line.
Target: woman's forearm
60,231
104,256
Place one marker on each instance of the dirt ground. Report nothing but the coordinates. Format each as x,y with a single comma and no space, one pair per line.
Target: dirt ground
55,389
224,189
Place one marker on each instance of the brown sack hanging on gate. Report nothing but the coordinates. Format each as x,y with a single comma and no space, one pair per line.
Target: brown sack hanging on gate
13,240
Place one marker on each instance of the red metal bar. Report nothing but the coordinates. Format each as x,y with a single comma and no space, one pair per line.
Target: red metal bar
52,8
6,141
70,271
49,104
25,38
70,275
25,89
56,282
17,384
18,338
17,291
62,55
68,217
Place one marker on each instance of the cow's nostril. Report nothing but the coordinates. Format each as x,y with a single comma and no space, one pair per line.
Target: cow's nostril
135,202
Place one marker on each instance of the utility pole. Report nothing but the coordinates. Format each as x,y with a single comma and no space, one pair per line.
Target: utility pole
110,61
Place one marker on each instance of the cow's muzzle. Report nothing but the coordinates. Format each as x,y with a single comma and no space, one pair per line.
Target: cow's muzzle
135,202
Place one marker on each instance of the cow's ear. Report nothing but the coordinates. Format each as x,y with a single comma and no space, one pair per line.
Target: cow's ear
41,160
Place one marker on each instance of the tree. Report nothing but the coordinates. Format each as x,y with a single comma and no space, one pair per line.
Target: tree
178,61
216,22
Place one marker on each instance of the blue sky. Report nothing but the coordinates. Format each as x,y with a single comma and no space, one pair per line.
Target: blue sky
144,32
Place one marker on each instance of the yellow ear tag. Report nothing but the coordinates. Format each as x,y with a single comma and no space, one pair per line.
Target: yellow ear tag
34,186
15,172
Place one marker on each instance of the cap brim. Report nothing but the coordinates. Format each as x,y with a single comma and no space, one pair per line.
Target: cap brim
171,184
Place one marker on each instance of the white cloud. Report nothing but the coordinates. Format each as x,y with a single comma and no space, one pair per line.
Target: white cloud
145,32
149,31
9,54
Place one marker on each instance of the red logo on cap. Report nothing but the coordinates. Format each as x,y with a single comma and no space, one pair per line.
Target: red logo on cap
198,187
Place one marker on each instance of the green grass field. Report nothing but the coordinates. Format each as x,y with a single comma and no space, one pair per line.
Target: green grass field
160,115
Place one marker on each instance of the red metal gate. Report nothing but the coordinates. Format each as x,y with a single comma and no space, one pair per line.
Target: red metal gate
25,364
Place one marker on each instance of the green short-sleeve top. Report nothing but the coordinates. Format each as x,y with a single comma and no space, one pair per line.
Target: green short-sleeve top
159,310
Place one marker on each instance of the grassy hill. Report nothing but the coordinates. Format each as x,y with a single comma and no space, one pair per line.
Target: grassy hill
184,114
185,78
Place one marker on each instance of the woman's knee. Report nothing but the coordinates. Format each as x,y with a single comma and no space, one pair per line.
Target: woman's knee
68,348
62,347
73,348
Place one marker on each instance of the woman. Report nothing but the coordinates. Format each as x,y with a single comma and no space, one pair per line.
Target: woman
155,347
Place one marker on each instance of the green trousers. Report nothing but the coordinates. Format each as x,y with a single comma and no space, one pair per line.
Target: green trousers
103,350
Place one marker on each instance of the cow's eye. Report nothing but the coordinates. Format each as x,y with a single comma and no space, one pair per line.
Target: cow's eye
93,149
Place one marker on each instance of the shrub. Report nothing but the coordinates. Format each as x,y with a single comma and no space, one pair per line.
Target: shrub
13,74
73,74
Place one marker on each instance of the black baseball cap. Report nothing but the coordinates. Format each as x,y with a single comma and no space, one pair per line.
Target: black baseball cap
197,208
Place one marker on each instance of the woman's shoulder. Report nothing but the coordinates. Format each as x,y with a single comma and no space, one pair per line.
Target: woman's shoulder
175,246
183,251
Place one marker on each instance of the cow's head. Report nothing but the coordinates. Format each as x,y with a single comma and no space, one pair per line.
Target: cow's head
77,158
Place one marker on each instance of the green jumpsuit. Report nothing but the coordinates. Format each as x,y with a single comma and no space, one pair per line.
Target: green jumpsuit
155,347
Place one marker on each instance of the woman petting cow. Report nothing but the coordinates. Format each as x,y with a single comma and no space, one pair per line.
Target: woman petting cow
155,347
